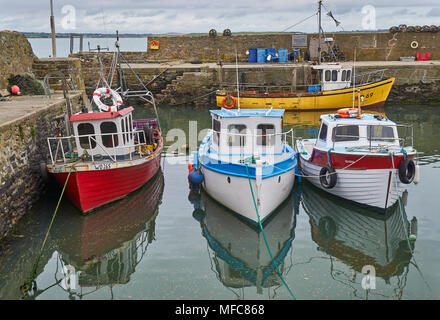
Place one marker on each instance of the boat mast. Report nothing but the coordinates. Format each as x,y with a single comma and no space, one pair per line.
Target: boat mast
238,86
319,31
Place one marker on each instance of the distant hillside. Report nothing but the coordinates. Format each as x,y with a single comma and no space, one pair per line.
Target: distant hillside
87,35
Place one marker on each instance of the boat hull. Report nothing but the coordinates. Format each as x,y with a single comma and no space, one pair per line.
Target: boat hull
236,194
91,189
374,95
375,188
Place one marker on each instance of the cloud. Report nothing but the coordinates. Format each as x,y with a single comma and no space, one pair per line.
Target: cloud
185,16
434,12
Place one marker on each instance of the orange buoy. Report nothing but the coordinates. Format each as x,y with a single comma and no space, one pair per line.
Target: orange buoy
190,167
15,90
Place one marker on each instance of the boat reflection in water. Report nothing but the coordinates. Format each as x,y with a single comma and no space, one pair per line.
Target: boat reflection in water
359,237
239,254
103,249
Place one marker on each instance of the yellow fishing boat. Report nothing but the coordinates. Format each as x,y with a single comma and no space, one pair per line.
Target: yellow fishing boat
332,89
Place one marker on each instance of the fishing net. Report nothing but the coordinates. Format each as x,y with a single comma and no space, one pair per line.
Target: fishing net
28,84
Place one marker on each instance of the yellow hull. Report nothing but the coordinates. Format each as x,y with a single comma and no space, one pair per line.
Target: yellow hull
374,95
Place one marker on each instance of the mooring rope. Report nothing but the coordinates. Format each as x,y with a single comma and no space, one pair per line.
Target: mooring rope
264,236
28,283
196,98
322,175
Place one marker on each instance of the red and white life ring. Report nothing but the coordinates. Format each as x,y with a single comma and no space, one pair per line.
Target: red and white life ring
107,93
348,112
231,105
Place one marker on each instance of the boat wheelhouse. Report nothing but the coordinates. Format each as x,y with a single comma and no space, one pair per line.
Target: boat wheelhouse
360,157
108,156
332,76
247,162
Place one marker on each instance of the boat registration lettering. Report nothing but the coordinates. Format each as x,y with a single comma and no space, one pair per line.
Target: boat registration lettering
349,161
103,166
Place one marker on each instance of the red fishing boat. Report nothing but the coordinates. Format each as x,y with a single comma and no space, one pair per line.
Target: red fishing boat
109,154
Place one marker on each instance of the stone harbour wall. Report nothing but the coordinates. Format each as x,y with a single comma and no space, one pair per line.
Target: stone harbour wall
23,147
370,46
16,55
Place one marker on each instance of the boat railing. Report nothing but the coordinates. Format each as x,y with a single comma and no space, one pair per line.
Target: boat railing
369,77
402,142
287,136
266,88
58,152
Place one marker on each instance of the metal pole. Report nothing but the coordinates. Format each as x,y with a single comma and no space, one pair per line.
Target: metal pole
81,39
319,31
52,27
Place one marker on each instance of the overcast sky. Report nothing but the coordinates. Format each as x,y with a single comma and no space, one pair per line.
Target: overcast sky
185,16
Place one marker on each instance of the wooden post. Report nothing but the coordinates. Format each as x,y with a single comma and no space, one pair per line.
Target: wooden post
71,43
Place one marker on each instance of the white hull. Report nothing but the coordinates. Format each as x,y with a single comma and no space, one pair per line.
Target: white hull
372,187
237,195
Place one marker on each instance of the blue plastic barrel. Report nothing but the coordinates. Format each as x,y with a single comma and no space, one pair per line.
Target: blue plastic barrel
261,55
252,58
272,52
282,55
314,88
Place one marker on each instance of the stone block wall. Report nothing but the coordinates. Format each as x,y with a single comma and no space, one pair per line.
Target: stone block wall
16,55
370,46
23,146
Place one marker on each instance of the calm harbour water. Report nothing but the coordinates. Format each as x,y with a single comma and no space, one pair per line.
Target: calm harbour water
159,243
42,47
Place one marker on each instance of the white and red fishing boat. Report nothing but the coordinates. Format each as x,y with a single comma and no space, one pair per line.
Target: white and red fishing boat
360,157
109,154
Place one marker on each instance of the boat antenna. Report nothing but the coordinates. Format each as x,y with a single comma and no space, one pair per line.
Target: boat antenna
236,71
319,31
354,70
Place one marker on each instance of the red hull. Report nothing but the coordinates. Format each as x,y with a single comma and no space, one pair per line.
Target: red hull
91,189
339,161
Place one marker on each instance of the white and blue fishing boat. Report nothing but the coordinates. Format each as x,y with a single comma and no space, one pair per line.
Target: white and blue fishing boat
245,161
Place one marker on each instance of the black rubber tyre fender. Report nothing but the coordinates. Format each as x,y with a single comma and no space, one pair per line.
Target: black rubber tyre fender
407,171
328,172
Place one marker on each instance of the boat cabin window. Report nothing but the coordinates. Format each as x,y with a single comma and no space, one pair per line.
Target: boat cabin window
89,141
323,132
109,140
327,75
334,75
346,133
344,72
348,77
265,134
382,133
235,137
216,128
